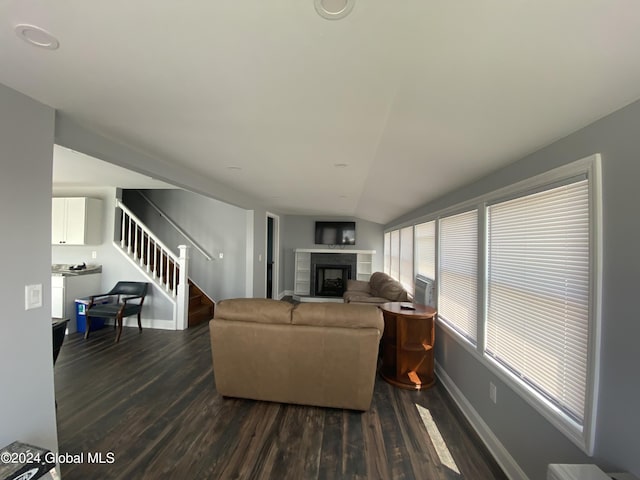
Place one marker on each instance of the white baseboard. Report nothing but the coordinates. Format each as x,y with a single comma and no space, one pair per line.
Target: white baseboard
153,324
497,449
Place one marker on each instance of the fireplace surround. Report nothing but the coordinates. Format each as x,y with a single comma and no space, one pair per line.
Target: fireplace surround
305,272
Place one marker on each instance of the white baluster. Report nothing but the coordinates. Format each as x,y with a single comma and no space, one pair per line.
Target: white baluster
148,252
122,228
129,237
135,241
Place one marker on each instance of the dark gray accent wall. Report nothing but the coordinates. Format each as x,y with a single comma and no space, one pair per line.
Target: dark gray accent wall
298,231
216,226
27,410
529,438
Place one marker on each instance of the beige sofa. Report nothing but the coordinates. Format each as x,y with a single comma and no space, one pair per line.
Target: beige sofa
380,288
322,354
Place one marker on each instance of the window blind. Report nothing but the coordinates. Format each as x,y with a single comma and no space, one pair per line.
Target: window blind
387,253
426,249
538,292
394,270
406,258
458,275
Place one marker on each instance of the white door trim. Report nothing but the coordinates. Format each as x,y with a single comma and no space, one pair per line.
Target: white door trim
275,277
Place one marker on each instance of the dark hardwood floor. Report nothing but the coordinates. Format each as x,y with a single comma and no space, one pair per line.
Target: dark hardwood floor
149,405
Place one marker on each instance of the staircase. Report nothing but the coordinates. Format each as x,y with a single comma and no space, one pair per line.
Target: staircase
163,268
200,306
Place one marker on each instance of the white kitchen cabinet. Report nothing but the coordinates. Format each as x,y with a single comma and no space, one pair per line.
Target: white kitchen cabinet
76,221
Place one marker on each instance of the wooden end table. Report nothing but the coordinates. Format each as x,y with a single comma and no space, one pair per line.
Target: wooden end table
407,345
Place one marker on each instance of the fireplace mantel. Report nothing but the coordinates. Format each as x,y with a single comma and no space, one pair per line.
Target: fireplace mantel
334,250
304,271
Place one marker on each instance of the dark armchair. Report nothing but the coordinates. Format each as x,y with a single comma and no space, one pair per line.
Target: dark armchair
127,299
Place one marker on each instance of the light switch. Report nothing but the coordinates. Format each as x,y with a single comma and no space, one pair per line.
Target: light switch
32,296
221,255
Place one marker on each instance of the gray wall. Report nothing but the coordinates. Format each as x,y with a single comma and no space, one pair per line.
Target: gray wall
298,231
216,226
27,410
158,309
529,438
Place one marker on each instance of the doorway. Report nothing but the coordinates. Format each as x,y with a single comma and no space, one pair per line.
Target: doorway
272,260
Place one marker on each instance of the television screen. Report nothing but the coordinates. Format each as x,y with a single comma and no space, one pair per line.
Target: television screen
335,233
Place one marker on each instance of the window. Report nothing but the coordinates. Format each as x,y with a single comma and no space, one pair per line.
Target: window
538,292
406,258
426,249
458,279
398,256
387,253
518,283
394,271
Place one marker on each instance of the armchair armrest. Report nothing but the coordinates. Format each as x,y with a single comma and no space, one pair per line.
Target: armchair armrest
132,297
93,298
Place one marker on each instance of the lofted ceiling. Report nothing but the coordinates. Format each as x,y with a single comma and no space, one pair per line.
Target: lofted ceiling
370,116
76,170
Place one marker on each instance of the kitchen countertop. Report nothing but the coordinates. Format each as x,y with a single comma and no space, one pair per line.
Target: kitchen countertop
63,270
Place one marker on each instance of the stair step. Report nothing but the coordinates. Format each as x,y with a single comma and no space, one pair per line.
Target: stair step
200,314
195,299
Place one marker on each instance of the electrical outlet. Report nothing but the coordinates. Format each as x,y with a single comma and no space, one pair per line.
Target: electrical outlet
221,255
94,254
493,392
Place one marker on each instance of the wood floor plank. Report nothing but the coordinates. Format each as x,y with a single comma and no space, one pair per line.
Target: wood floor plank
151,400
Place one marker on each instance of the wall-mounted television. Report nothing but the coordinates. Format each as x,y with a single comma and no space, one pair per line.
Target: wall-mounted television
335,233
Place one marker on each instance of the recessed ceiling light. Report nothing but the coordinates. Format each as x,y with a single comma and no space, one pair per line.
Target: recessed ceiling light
340,165
334,9
37,36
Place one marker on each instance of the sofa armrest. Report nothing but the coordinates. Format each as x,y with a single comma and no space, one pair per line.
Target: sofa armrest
358,286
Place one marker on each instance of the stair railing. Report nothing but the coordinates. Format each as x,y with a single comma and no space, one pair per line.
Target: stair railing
167,270
177,227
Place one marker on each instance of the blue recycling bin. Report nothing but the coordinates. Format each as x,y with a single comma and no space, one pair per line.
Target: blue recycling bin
81,314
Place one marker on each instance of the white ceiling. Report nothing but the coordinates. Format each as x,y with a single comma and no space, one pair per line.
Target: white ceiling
417,97
75,169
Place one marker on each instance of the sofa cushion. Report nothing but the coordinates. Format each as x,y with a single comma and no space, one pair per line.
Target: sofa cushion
366,299
359,286
259,310
338,315
349,296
